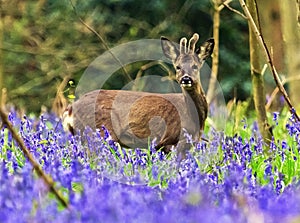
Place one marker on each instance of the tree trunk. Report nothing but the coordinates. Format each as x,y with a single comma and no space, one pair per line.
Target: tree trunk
270,22
215,56
291,36
298,2
1,54
257,78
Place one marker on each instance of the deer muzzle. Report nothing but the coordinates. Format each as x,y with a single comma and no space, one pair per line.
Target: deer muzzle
186,81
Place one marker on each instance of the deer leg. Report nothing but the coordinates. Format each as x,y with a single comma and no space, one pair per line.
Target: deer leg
182,147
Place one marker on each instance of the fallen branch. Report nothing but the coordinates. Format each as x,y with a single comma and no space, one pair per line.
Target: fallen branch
47,179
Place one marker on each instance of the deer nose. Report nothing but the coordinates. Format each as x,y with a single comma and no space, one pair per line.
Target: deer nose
186,81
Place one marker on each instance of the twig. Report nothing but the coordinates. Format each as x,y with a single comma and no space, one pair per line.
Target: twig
15,48
47,179
149,65
226,4
269,59
59,103
223,4
276,90
102,40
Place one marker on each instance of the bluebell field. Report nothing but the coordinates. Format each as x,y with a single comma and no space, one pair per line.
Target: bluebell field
230,179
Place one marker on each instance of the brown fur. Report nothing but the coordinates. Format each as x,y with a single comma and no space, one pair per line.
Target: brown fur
133,117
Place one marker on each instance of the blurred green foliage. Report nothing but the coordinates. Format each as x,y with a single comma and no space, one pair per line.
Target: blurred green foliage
44,41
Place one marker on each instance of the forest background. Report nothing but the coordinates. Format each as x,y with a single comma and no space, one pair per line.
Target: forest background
43,44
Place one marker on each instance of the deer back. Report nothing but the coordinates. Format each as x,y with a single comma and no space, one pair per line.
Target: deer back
132,118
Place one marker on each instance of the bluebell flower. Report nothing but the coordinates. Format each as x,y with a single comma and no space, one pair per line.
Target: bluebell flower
275,117
255,127
217,182
268,170
245,123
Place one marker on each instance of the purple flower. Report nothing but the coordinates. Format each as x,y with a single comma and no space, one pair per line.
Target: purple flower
229,179
268,170
275,117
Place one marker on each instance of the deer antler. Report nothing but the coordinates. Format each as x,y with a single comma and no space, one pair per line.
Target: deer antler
183,48
192,43
190,49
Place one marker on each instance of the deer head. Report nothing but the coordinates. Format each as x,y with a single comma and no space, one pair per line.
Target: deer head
188,60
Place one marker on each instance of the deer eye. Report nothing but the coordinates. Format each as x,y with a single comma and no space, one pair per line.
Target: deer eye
195,67
178,68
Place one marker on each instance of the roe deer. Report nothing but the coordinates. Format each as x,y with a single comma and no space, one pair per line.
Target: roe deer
133,117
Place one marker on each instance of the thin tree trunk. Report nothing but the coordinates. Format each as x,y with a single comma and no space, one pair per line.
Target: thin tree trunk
291,36
1,54
270,23
257,78
298,2
215,56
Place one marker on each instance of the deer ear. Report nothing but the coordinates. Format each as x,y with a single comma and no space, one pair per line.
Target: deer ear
206,49
169,48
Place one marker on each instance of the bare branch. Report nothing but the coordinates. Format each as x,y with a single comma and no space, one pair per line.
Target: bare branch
149,65
47,179
59,103
226,4
276,90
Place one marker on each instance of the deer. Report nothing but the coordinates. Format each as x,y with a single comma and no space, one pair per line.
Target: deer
134,117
